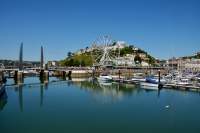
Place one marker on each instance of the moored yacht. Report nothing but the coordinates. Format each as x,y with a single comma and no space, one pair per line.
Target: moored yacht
152,83
184,82
138,79
150,86
105,78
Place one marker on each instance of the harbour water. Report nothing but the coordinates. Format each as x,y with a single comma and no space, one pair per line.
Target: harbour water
90,106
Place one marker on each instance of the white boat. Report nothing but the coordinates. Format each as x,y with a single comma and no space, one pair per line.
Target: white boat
155,80
197,77
150,86
162,81
198,84
105,83
117,77
30,72
105,78
184,82
138,79
152,83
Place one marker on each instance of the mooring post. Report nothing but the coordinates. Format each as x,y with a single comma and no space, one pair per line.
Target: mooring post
119,73
1,76
159,76
19,77
93,73
9,74
15,75
44,76
69,75
41,74
160,85
64,75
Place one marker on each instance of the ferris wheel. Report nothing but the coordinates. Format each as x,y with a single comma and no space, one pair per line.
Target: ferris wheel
103,53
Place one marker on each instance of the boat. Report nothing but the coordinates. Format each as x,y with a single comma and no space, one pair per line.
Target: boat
105,83
146,84
184,82
198,84
105,78
152,83
30,72
155,80
151,86
138,79
197,77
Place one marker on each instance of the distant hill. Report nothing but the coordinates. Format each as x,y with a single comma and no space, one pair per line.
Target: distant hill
195,56
14,63
118,51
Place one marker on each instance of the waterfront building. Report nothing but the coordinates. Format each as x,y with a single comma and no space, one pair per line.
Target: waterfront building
53,63
2,66
125,61
184,64
128,60
193,65
118,45
198,53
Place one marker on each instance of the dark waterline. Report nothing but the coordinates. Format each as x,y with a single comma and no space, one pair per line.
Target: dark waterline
88,106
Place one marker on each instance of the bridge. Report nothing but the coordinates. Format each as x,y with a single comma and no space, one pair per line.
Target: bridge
20,70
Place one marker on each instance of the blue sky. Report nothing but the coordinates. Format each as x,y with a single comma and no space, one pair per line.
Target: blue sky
164,28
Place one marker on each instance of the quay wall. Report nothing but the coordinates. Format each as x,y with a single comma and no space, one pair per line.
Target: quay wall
123,72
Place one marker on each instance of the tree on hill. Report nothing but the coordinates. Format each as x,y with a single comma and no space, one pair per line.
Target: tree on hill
84,59
82,63
126,50
114,43
131,46
69,54
141,51
76,63
70,62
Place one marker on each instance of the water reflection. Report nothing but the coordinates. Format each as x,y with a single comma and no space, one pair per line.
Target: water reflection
20,88
41,95
42,87
106,92
44,80
3,100
101,92
18,81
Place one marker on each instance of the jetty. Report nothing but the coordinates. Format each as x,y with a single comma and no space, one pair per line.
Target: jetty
181,87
